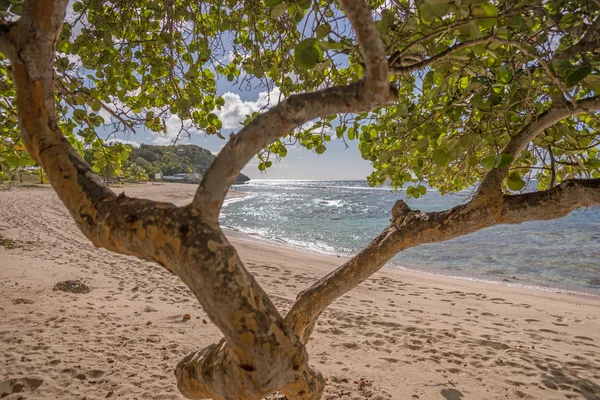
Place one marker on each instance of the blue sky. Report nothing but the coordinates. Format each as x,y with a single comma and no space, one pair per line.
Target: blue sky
337,163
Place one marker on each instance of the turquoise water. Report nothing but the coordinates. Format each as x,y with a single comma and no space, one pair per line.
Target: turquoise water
340,217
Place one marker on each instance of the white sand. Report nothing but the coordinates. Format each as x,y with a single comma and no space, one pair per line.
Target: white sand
400,335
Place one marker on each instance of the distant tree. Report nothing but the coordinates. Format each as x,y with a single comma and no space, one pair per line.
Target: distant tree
455,93
41,175
135,173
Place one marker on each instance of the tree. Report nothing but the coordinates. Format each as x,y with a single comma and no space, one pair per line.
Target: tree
455,93
135,173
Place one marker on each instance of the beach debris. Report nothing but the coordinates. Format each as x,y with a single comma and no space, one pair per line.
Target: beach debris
22,301
204,321
73,286
19,385
7,243
186,317
363,383
81,377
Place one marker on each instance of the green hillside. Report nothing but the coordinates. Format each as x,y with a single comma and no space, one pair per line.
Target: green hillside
171,160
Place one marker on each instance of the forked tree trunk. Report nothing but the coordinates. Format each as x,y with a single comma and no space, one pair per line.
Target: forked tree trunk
261,351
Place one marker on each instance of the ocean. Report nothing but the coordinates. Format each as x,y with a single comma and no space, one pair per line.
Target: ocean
341,217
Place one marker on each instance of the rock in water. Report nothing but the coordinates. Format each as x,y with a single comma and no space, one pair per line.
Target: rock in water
75,286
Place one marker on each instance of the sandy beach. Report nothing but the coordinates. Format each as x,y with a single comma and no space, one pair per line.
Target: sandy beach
399,335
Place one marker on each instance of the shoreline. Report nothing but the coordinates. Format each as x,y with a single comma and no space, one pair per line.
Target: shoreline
507,278
396,267
238,238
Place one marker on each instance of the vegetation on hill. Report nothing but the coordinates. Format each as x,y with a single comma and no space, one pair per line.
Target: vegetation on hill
144,162
171,160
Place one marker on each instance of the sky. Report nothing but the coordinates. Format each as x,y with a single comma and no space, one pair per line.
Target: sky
337,163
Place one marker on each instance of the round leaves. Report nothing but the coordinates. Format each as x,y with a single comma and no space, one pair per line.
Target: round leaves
307,53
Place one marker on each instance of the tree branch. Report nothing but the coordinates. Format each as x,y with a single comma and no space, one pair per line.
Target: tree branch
552,203
492,183
178,238
552,167
590,41
531,53
106,108
403,70
372,91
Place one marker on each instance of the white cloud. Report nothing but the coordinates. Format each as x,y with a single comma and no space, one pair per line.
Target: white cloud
174,125
72,17
235,109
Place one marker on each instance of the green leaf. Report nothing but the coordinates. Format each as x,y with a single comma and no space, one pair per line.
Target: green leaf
577,75
593,82
422,190
320,149
279,10
504,75
470,30
426,12
322,30
307,53
351,134
440,156
191,74
515,182
485,10
504,160
422,145
387,20
488,162
593,162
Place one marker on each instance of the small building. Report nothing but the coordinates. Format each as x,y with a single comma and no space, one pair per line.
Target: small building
182,178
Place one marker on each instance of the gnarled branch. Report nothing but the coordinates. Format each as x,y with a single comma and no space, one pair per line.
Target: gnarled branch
492,183
176,237
410,228
488,208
